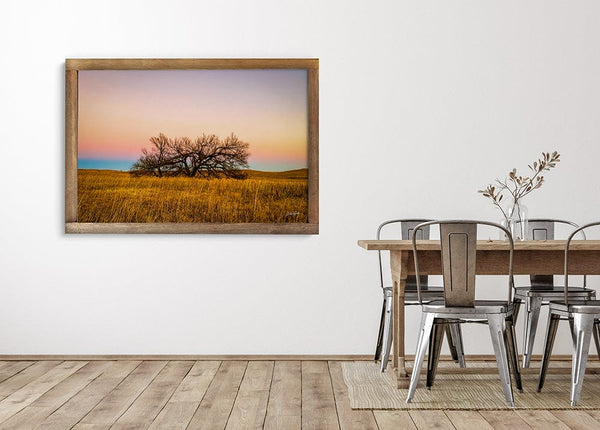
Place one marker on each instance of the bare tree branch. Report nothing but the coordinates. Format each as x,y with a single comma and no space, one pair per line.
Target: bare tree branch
205,156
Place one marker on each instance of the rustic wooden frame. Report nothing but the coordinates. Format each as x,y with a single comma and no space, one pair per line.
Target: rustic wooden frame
72,66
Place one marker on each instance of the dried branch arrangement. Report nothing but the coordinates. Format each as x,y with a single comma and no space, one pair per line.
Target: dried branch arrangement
519,186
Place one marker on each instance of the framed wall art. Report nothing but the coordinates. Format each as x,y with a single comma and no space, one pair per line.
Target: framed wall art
192,146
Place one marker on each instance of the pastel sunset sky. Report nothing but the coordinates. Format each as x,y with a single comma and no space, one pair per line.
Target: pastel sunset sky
119,110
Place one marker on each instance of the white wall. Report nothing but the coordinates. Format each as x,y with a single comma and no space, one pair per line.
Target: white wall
421,104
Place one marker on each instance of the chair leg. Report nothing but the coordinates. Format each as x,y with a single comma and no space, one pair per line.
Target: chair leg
584,325
532,316
380,335
435,347
451,344
424,335
516,308
387,334
597,337
513,354
497,326
553,321
596,327
572,330
595,333
456,331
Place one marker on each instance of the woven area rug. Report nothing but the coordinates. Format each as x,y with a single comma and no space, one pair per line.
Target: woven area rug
368,388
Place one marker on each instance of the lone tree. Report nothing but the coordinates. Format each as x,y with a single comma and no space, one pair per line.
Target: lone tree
205,156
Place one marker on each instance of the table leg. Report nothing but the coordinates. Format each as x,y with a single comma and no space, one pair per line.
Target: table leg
395,328
399,262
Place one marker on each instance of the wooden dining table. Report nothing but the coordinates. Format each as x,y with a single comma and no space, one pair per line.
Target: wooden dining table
530,257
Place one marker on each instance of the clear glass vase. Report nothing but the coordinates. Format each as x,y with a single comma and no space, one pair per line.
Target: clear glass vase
517,216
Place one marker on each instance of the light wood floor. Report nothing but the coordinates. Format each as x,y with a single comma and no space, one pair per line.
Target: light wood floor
221,395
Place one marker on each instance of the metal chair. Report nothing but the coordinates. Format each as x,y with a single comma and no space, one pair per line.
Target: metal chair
384,339
542,289
459,252
583,317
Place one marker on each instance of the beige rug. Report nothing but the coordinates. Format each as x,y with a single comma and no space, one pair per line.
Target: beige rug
370,389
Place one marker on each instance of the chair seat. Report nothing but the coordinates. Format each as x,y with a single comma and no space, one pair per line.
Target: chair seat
557,292
411,298
577,306
431,293
481,307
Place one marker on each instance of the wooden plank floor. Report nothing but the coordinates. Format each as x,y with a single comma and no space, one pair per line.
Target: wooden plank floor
179,394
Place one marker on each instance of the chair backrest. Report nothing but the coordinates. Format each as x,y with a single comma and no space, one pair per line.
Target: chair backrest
567,245
543,229
407,227
458,240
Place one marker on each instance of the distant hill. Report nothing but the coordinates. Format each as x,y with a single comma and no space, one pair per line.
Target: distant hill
254,174
288,174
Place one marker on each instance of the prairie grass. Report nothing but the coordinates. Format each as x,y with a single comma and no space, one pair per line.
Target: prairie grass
107,196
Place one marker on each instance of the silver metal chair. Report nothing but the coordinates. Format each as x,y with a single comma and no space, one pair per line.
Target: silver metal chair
384,339
583,316
459,252
542,289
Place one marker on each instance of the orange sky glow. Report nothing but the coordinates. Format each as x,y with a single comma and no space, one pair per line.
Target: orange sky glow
119,110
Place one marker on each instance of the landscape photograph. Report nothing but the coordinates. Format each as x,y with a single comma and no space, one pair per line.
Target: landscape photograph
192,146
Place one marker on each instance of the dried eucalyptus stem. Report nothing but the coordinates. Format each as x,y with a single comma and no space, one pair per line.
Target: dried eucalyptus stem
519,186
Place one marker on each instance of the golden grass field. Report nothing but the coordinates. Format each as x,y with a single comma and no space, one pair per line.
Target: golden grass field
107,196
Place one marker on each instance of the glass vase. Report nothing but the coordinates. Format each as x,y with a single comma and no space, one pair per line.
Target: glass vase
517,216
